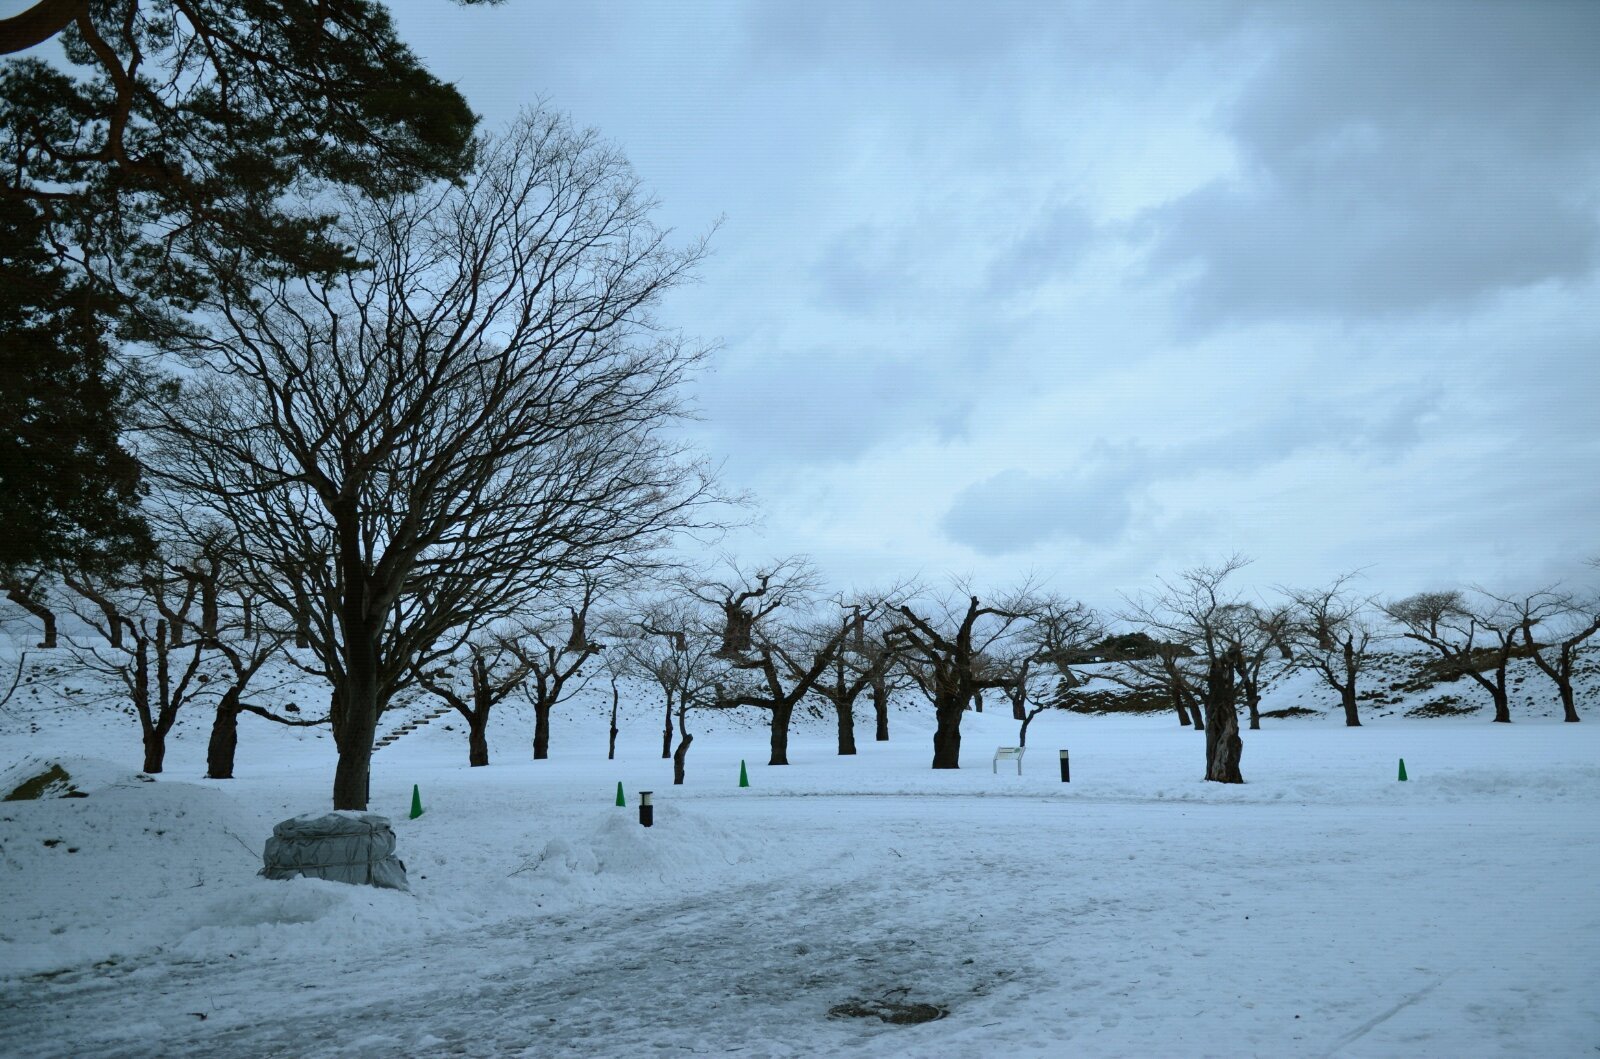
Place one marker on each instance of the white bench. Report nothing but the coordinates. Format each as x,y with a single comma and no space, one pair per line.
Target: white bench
1008,753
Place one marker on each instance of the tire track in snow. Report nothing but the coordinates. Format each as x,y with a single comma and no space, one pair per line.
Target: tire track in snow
740,969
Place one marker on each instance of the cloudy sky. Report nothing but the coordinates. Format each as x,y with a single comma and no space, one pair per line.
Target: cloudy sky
1100,291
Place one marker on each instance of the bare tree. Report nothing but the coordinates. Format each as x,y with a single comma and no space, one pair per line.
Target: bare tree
476,418
669,648
25,589
1058,635
779,655
1196,613
746,596
1256,633
615,664
1568,621
672,622
246,653
539,656
1335,636
946,650
496,668
245,644
141,641
554,652
859,662
1469,639
888,677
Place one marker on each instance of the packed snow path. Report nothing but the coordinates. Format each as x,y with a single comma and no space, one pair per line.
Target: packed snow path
1042,926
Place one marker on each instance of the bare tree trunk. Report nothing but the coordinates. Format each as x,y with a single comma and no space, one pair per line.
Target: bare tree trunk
1252,701
355,716
1027,719
1496,688
1224,748
1347,699
155,750
478,739
666,732
1568,707
1183,714
224,737
19,595
847,728
1018,712
880,710
541,731
681,756
611,750
780,734
947,735
1502,705
302,614
154,736
1347,694
210,612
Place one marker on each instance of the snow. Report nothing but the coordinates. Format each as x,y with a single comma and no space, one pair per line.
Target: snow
1322,908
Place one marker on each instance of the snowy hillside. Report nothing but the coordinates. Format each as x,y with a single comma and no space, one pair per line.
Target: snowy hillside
1321,908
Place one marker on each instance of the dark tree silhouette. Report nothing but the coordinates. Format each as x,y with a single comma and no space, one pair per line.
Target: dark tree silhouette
947,649
1468,639
669,648
475,419
1567,621
778,656
1193,615
1336,636
130,640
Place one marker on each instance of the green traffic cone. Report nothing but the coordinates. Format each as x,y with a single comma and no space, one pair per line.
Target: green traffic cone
744,777
621,800
416,801
1402,770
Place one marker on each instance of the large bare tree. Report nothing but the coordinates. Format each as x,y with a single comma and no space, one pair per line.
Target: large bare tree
476,417
789,663
1197,611
860,661
745,596
1335,634
946,645
1567,620
131,641
1470,638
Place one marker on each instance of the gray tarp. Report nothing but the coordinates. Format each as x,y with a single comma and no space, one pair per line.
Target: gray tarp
343,845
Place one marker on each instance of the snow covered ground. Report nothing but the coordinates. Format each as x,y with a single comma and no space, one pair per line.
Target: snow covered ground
1320,909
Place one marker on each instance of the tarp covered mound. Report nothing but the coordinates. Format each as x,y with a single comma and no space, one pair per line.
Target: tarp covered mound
343,845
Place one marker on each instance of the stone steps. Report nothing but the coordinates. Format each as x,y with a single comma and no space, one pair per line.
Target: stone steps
411,726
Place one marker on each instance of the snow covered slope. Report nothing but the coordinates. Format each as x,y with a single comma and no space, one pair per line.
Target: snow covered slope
1321,908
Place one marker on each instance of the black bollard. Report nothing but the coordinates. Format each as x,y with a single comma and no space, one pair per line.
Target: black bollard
1066,769
647,812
